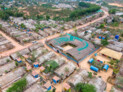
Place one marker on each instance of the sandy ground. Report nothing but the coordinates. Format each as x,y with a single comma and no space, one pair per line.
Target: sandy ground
68,47
116,4
56,9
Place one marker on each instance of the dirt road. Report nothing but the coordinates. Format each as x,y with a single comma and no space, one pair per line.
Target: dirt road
19,47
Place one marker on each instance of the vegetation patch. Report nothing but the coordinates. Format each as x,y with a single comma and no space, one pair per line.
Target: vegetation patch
18,86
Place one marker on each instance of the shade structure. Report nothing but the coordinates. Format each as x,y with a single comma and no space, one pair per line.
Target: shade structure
91,60
106,67
94,68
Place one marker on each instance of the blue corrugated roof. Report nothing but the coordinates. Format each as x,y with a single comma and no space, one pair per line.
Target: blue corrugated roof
106,67
94,68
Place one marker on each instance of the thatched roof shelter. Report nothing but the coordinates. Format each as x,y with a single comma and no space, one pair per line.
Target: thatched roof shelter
35,88
22,52
80,47
7,67
9,78
111,53
65,70
35,46
98,83
30,80
114,47
4,60
78,77
60,60
45,57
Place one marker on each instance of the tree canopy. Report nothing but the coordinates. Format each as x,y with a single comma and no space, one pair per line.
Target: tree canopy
18,86
81,87
90,8
5,13
104,42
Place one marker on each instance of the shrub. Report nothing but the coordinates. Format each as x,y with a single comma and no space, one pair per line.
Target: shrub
90,74
51,66
18,86
104,42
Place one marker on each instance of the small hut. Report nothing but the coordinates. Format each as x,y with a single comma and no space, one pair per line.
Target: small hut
19,60
36,64
48,86
66,86
56,79
42,68
35,74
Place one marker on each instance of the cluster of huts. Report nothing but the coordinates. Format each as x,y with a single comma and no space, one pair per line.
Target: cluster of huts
10,72
81,76
5,44
17,34
63,6
119,78
24,35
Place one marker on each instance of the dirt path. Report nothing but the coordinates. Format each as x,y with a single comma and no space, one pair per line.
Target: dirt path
19,47
116,4
115,27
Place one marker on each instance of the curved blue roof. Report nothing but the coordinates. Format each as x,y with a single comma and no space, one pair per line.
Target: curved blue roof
94,68
91,60
106,67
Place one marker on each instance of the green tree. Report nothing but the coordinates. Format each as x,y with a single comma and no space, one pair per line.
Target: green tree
22,25
90,74
18,86
112,11
88,88
102,26
47,17
81,87
104,42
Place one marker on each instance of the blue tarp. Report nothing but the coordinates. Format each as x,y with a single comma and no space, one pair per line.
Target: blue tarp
55,81
100,37
94,68
101,61
49,88
103,38
91,60
36,76
117,37
106,67
19,61
36,66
